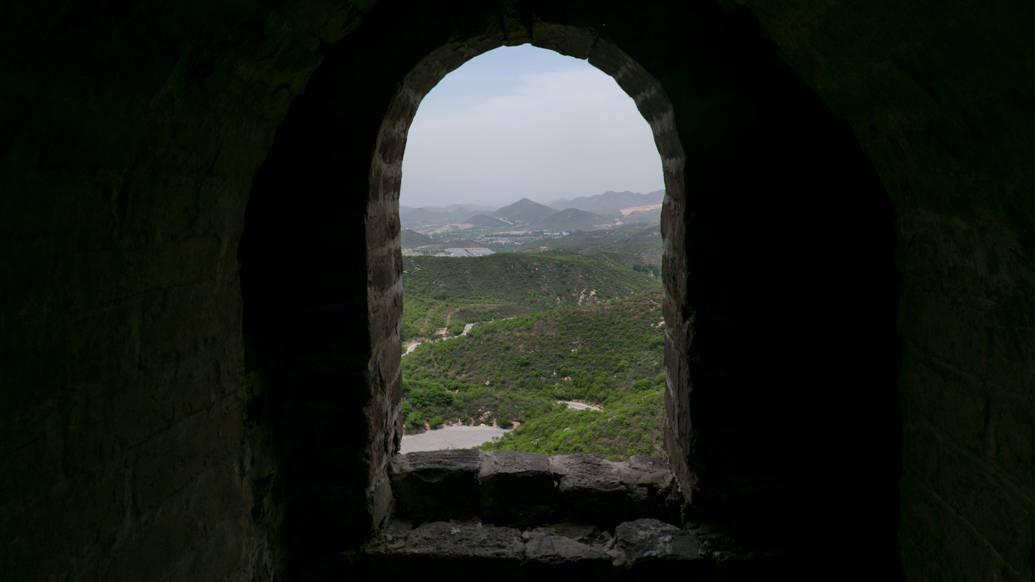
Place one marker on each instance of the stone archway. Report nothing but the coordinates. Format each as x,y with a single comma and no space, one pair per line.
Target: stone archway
775,287
384,259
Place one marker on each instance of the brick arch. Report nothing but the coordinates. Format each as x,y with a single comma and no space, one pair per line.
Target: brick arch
778,270
384,258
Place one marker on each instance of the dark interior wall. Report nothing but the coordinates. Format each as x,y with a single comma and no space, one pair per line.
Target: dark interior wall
788,287
791,293
321,263
129,134
137,446
941,99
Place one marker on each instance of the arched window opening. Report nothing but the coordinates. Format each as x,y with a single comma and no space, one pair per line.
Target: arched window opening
529,207
779,283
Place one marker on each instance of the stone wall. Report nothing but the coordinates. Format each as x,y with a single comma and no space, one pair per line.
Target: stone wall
758,258
175,174
130,135
941,101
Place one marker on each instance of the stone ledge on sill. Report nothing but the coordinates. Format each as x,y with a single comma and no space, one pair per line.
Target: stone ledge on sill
634,547
510,487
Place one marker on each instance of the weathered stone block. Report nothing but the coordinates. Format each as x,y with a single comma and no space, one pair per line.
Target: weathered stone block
650,545
651,486
591,489
436,484
516,487
546,545
438,547
566,40
466,539
548,553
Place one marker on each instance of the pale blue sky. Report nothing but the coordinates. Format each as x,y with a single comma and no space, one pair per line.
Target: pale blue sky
526,122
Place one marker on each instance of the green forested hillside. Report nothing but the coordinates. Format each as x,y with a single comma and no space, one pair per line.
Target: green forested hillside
524,211
412,238
608,353
630,425
610,202
636,246
445,292
573,219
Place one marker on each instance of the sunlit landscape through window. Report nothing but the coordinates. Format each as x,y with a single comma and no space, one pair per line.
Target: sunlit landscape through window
530,204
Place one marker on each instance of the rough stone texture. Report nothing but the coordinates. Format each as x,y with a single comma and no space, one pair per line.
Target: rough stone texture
440,548
546,545
454,539
130,135
941,102
650,483
198,370
436,484
516,488
591,489
645,540
552,555
632,550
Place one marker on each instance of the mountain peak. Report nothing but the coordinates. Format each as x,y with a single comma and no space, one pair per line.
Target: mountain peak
524,210
526,202
610,201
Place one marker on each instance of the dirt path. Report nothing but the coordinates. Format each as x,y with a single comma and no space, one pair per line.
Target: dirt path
576,405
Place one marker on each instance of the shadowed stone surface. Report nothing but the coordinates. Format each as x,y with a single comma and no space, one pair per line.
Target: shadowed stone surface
437,548
550,554
199,373
650,483
436,484
516,487
443,549
644,540
651,548
548,546
591,489
450,540
528,488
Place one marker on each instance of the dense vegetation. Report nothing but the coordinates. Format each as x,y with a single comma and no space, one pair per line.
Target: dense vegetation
635,246
556,319
515,370
630,425
445,292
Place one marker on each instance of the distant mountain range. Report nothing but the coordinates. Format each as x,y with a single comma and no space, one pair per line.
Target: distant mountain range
412,238
525,211
486,221
610,202
582,214
573,219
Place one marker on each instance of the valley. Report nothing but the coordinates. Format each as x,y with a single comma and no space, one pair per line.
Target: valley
559,338
436,230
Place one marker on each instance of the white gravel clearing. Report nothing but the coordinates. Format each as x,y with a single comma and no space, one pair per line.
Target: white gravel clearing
451,437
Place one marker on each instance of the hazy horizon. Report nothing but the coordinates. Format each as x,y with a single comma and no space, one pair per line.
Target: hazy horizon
438,203
522,122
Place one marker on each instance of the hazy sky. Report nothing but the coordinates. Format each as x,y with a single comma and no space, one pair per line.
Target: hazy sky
526,122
